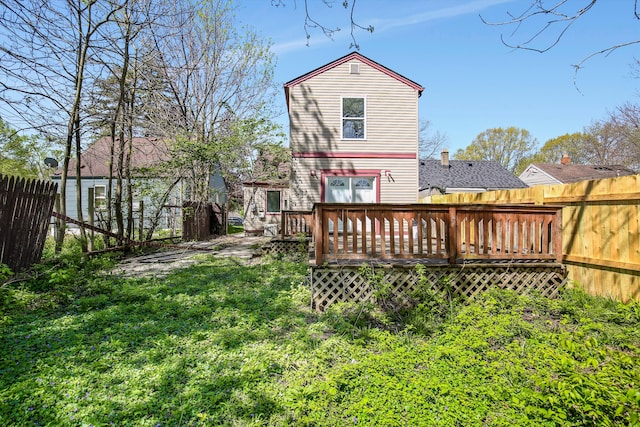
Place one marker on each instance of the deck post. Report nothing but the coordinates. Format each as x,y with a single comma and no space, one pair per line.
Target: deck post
453,235
318,233
283,223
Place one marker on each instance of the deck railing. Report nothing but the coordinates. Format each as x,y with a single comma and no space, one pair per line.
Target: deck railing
449,233
296,223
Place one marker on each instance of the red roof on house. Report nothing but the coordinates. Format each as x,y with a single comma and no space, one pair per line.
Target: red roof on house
346,58
95,159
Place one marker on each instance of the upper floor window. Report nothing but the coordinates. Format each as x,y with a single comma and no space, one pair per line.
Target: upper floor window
353,122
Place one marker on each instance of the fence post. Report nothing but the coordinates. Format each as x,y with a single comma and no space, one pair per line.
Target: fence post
557,243
91,209
141,219
453,235
57,223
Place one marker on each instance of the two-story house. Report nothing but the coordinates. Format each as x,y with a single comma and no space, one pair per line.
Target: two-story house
353,134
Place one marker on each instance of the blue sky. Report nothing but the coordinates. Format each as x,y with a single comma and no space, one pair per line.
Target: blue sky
472,81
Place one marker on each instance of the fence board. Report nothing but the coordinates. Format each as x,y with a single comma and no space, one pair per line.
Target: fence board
25,210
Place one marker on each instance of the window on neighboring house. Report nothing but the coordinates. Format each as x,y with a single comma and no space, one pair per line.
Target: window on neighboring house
273,202
353,118
100,197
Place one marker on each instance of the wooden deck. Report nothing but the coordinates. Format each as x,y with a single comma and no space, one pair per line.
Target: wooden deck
468,249
429,233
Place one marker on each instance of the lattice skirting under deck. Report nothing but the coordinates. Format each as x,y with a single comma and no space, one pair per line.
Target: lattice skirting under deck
286,247
335,283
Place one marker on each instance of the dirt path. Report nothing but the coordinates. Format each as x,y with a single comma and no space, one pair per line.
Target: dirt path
161,263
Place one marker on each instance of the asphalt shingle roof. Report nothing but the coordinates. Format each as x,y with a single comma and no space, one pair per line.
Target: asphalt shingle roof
574,173
95,159
484,174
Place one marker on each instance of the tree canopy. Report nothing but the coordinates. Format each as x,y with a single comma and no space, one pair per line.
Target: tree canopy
22,155
181,71
510,147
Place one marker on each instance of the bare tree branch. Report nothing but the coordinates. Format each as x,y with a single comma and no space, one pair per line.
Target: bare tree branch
311,23
547,24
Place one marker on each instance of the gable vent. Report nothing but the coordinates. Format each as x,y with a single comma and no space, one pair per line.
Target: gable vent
354,68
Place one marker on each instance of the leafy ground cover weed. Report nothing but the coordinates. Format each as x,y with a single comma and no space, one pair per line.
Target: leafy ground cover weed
220,343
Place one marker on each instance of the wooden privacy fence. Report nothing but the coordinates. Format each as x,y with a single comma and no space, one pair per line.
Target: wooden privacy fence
25,210
442,233
201,221
600,229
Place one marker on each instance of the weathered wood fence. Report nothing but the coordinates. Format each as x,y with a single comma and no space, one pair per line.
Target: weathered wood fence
25,211
201,221
601,229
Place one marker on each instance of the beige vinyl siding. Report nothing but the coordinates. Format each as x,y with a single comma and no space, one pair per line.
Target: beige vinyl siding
316,112
400,187
255,204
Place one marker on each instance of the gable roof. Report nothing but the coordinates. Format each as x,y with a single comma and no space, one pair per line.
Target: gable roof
573,173
146,152
466,174
346,58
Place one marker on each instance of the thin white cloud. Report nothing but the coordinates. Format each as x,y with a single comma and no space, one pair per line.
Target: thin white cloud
432,15
382,25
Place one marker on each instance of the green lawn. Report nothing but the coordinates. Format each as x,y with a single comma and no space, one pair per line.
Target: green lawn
225,344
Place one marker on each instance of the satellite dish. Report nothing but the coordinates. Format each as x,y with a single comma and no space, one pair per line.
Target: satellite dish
51,162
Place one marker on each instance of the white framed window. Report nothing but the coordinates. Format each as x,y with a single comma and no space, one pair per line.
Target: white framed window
100,197
353,118
273,202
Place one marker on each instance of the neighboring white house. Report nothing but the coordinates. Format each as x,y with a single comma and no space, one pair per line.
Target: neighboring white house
146,152
566,172
353,134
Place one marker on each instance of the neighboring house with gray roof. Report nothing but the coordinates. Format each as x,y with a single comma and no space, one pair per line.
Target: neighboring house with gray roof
446,176
565,172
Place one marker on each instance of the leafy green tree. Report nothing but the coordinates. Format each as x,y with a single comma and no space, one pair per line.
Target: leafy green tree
20,155
510,147
47,63
219,86
571,144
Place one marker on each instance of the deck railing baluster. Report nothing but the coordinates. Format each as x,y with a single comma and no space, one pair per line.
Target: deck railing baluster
448,233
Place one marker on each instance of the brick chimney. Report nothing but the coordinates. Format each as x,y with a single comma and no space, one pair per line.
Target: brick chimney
444,158
565,160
